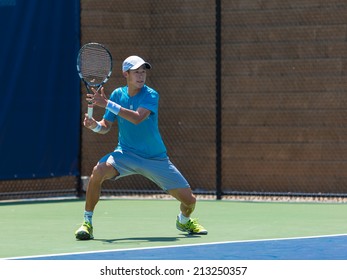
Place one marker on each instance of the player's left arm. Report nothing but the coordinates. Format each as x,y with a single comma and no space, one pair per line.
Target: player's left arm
134,117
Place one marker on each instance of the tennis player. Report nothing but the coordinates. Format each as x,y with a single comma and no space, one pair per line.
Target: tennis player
140,148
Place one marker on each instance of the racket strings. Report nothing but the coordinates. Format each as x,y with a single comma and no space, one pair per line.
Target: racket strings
95,64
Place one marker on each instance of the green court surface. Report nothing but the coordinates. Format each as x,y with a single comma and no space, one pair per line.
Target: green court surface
45,228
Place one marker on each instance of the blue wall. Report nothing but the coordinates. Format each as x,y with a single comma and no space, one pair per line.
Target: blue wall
39,95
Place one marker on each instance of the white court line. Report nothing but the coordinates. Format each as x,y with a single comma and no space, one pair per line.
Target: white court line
173,246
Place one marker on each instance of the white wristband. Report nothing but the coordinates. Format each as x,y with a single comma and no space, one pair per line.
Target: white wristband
97,128
113,107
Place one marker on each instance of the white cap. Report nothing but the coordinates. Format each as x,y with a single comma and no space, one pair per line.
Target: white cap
134,62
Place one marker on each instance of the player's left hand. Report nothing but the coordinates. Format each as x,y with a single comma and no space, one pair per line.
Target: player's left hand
98,98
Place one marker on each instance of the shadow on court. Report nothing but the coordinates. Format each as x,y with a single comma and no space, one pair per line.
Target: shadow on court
145,239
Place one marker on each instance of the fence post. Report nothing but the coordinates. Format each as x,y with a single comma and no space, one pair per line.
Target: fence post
218,100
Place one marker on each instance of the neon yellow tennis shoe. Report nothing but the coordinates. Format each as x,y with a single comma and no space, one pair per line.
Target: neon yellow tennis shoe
192,227
85,232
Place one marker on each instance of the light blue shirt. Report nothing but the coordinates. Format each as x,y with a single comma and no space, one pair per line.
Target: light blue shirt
143,139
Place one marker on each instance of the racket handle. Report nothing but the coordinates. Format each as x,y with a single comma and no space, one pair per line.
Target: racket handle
90,111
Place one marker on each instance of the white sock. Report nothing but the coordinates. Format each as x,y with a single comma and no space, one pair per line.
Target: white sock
183,219
88,216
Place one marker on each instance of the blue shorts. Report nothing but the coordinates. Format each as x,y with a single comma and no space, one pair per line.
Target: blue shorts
159,170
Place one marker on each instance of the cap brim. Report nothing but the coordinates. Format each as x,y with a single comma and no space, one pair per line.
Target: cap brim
137,66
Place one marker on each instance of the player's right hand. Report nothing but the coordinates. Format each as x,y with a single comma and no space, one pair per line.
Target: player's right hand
89,123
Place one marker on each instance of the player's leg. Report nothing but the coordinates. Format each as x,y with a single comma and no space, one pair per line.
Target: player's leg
112,166
184,221
187,199
101,172
170,179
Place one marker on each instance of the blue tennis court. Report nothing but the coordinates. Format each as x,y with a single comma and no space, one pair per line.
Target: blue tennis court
332,247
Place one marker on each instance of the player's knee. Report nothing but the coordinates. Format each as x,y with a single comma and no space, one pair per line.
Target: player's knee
185,196
190,201
104,171
98,172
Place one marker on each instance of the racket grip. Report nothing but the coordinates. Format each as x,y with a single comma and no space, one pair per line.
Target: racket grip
90,111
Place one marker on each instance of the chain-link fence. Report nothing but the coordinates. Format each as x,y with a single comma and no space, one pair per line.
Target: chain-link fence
284,96
178,39
279,123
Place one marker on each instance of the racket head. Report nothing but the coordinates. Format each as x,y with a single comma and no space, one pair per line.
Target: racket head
94,64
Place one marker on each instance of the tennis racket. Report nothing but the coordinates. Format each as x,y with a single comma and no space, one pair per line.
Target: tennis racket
94,66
